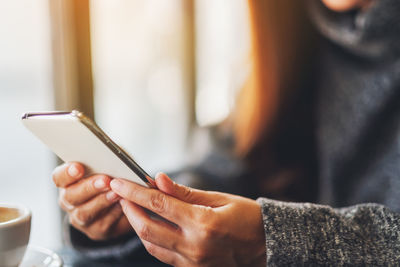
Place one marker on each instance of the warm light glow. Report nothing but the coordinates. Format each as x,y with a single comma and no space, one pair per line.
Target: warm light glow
222,56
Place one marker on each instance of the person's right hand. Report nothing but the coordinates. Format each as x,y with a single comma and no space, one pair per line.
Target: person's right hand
90,204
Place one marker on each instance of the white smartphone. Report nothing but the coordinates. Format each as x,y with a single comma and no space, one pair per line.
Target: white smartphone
74,137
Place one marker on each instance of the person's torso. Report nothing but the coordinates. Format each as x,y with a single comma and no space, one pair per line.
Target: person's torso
358,112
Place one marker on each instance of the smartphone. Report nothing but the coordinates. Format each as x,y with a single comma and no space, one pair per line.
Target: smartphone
72,136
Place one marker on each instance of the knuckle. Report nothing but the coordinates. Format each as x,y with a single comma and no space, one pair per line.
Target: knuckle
131,194
187,192
88,187
158,202
63,202
66,197
204,218
144,232
199,255
208,230
205,233
57,175
81,216
151,249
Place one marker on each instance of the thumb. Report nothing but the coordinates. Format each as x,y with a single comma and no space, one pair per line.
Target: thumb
188,194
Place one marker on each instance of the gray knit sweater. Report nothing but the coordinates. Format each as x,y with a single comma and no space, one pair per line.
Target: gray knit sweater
358,151
358,144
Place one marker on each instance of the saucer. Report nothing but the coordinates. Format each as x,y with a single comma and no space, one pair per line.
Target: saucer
40,257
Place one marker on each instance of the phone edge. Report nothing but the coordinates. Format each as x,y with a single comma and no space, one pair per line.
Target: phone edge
104,138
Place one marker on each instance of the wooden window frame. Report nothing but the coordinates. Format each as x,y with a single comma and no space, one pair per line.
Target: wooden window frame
72,57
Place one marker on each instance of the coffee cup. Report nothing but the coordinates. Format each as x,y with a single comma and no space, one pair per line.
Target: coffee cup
15,227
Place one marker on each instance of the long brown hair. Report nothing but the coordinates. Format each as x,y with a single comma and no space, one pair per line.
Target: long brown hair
280,37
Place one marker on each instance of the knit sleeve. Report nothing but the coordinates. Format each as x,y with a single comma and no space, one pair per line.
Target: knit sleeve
309,234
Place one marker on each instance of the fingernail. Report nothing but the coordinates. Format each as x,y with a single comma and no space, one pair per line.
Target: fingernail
160,174
67,205
73,171
99,183
116,184
111,196
81,223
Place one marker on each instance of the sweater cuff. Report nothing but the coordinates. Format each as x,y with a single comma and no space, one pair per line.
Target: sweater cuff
287,232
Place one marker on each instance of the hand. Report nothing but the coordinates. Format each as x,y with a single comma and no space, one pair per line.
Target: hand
206,229
90,204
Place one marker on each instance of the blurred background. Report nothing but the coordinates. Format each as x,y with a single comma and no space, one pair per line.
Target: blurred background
150,72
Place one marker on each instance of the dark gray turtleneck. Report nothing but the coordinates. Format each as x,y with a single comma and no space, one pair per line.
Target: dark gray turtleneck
358,148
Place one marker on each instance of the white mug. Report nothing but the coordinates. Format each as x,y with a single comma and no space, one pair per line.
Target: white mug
15,227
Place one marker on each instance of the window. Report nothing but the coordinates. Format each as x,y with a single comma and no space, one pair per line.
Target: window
141,94
159,66
26,85
222,58
141,63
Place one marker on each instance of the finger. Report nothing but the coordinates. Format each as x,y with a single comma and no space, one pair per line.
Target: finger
67,174
86,213
154,231
164,205
86,189
121,227
162,254
64,204
102,228
189,195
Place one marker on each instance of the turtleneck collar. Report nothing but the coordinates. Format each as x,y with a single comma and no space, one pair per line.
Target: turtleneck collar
372,33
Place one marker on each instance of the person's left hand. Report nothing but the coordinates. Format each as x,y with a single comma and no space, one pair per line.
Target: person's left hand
209,228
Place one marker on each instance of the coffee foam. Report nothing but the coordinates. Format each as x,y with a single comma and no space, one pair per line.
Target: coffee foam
8,214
